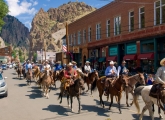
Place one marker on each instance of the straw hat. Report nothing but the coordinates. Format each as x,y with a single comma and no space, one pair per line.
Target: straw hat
70,64
46,61
87,62
73,62
162,62
111,63
123,62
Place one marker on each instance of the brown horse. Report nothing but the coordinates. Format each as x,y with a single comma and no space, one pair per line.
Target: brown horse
57,75
36,72
29,76
90,78
46,82
130,83
74,90
19,71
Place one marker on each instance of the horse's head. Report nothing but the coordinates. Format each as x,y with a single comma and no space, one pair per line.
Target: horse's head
124,79
61,74
80,83
141,79
47,71
96,74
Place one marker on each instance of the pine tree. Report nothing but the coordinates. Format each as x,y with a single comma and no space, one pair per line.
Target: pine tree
3,12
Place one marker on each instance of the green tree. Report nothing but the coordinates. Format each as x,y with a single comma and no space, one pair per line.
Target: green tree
3,12
20,53
14,53
34,57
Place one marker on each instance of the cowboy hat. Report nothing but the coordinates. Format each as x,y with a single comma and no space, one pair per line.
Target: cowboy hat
111,63
58,62
123,62
162,62
87,62
70,64
73,62
46,61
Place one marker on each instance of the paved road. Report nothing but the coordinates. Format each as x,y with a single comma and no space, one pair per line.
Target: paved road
26,103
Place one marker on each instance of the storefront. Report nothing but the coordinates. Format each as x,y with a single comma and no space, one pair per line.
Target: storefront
93,57
130,55
112,54
147,55
101,60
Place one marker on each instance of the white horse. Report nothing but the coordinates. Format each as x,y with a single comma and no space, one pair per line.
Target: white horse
149,101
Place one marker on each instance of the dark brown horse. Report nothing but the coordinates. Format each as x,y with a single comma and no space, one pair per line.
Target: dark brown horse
57,75
74,90
19,71
90,78
29,76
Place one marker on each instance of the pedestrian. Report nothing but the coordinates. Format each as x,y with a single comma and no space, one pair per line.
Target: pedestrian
122,69
150,80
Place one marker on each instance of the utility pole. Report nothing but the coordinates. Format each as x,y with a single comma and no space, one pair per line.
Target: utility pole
67,41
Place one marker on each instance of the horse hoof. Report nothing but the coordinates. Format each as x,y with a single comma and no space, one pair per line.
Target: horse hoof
131,104
128,105
79,111
161,117
72,110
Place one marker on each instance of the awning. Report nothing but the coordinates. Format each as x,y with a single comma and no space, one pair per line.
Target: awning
149,56
102,59
112,58
130,57
90,59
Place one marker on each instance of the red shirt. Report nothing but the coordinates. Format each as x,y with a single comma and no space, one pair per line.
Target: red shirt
68,72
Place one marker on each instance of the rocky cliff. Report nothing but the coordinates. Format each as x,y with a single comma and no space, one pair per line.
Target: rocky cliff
49,27
2,43
15,33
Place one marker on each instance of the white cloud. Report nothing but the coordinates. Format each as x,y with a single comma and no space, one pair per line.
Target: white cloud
28,24
17,8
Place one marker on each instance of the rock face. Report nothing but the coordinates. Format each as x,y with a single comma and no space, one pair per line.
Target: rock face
15,33
2,43
45,25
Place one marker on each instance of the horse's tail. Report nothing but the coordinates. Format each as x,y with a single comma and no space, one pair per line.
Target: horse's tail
137,93
93,85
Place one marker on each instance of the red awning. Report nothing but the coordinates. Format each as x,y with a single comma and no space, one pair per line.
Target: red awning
149,56
112,58
130,57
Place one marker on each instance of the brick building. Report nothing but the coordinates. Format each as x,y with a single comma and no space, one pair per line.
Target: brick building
6,54
131,30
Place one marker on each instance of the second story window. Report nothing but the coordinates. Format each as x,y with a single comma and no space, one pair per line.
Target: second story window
70,39
74,39
142,17
159,16
84,36
108,28
79,37
117,25
131,21
98,31
89,34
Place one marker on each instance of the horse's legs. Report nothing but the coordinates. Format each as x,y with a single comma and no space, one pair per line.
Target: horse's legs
150,111
111,102
142,113
126,91
47,89
68,100
88,87
119,97
79,102
132,97
71,101
100,95
153,108
159,112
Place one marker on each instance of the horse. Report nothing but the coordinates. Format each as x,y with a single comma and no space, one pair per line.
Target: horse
74,90
36,72
19,71
29,76
46,82
131,81
144,91
57,75
90,78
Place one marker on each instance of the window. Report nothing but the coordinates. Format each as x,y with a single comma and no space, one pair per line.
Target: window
98,31
148,47
74,39
117,25
89,34
108,28
84,36
70,39
142,17
159,12
79,37
131,21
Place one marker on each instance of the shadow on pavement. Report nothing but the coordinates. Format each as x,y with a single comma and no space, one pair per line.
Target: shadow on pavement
136,117
21,85
35,93
99,111
58,109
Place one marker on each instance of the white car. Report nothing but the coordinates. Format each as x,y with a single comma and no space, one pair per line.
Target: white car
3,86
10,66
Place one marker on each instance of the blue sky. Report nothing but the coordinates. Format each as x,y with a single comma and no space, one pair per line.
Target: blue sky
25,10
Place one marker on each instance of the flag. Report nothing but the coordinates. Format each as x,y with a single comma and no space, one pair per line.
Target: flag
64,48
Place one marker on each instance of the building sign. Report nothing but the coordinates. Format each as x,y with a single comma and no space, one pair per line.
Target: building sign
76,50
131,49
113,51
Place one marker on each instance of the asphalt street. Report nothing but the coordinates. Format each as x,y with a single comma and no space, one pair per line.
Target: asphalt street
27,103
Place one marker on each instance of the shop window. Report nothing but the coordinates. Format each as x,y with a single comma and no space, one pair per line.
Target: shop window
142,17
84,36
117,25
89,34
98,31
131,21
148,47
159,12
74,39
108,28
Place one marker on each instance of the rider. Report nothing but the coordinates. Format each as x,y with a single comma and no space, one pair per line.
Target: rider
47,65
74,65
110,72
28,65
87,67
58,67
122,69
70,73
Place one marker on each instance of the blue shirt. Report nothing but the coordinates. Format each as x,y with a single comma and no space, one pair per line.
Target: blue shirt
75,67
108,71
28,66
57,67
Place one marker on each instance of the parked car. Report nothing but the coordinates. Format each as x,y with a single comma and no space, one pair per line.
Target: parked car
3,86
1,71
4,67
10,66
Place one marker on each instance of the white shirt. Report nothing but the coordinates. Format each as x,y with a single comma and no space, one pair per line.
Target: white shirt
87,68
47,66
